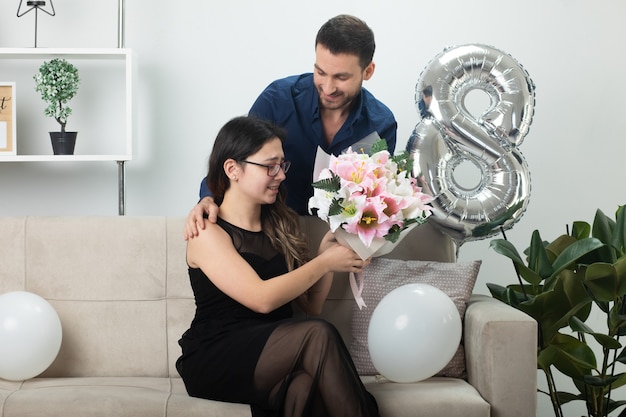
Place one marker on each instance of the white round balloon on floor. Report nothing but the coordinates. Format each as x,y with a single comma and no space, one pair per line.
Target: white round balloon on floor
31,333
414,332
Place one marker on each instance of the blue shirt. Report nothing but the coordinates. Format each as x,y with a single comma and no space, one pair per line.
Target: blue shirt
293,103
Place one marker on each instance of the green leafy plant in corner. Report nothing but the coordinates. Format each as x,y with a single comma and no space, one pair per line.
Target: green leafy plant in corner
57,81
560,282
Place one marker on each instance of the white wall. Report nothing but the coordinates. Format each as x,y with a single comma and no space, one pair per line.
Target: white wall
201,63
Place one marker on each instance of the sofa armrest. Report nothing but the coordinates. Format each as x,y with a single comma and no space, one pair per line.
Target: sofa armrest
501,356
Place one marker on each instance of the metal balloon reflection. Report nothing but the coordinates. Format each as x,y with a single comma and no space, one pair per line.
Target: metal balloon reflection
470,163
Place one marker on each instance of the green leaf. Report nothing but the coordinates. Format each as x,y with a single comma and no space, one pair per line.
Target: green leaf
546,357
404,162
603,230
602,227
553,308
572,357
619,380
394,234
497,291
619,232
565,397
580,230
572,253
604,340
330,185
506,248
508,295
617,319
335,207
614,405
622,356
601,279
578,325
558,245
538,259
601,381
620,270
487,228
379,145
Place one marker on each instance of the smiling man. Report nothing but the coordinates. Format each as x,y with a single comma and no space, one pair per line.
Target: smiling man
328,108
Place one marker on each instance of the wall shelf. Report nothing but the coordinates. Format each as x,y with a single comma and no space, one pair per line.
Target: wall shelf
65,158
107,87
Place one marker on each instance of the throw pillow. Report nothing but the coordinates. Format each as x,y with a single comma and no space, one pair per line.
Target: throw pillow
455,279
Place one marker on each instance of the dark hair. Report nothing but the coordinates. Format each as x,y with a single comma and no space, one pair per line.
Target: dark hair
238,139
345,34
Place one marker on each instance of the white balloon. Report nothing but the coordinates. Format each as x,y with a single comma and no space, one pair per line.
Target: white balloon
30,331
414,332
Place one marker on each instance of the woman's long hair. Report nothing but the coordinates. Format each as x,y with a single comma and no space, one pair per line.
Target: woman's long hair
238,139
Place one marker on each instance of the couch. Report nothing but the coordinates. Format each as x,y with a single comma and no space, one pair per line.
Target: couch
120,287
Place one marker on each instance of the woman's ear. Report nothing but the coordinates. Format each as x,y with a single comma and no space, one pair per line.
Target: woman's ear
232,169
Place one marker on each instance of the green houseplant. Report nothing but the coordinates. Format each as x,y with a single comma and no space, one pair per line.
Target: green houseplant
57,81
560,282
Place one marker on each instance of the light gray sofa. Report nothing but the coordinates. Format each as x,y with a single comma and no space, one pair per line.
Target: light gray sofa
121,290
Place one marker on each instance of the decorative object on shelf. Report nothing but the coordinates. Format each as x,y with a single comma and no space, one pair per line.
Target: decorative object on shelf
7,119
561,283
31,334
35,5
57,81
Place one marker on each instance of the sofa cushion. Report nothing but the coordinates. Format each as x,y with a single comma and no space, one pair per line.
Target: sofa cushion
111,396
427,398
456,279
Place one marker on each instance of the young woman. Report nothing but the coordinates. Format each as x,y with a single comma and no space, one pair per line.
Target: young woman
245,270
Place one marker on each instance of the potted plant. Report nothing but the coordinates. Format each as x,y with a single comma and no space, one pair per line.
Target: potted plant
57,81
560,282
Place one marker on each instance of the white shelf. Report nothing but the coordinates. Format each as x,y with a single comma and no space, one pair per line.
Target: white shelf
58,158
47,53
125,55
15,63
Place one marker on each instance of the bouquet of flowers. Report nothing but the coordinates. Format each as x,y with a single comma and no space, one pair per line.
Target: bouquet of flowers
370,200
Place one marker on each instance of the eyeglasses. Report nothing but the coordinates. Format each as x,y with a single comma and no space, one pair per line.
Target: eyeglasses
274,169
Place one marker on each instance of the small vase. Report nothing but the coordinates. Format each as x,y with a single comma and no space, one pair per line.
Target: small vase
63,142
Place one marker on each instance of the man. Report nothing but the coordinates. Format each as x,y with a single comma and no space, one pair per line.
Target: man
328,108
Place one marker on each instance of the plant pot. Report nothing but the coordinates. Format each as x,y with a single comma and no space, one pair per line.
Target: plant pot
63,142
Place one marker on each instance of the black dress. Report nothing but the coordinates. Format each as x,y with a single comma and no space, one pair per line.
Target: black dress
280,365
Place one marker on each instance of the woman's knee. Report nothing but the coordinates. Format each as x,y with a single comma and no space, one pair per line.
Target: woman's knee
321,330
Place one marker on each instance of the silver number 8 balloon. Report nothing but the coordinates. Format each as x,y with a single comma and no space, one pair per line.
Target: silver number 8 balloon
449,140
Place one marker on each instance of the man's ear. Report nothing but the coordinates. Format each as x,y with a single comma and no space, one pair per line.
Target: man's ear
369,71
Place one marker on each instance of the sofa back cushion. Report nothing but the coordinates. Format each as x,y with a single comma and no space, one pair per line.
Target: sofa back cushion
107,279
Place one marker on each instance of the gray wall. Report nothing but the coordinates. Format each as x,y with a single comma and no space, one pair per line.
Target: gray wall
201,63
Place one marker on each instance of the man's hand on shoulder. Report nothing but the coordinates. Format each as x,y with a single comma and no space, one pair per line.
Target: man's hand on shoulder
195,219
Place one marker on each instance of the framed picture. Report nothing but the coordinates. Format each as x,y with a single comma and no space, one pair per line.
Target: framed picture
7,119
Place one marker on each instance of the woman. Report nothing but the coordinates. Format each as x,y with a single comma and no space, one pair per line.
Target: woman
243,344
